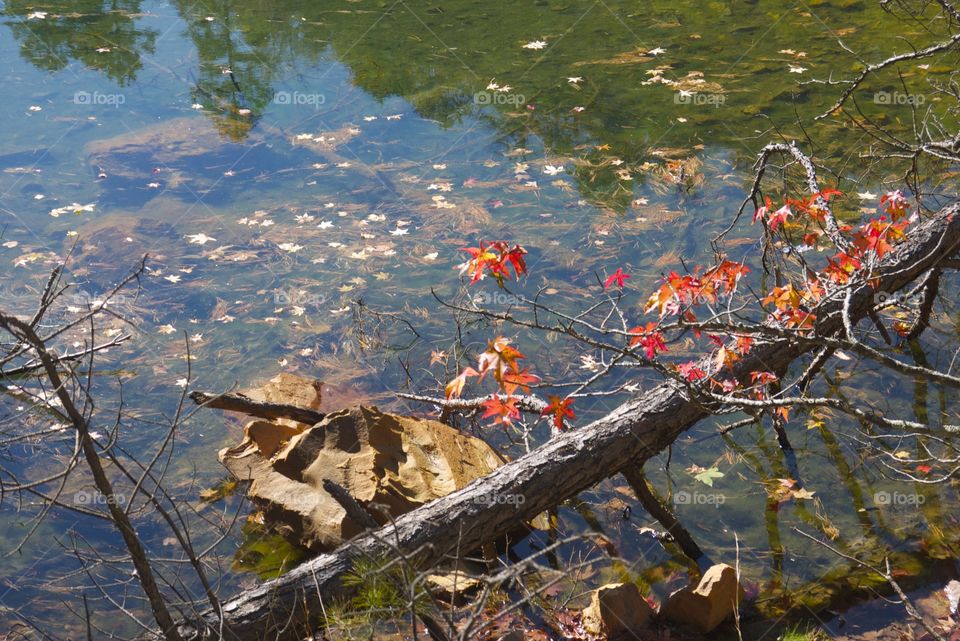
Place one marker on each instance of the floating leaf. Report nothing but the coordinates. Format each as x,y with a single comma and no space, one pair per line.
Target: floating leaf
708,475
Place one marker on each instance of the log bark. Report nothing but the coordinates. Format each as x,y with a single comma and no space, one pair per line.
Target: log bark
260,409
287,607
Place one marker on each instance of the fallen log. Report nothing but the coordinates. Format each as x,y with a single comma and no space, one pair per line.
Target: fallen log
260,409
286,608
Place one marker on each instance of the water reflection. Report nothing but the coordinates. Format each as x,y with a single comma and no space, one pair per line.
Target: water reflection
105,36
618,89
611,86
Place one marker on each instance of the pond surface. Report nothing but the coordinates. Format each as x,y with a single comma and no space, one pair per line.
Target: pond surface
302,174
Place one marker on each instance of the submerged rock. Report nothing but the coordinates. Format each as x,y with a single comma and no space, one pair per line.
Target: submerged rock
187,157
616,610
109,248
379,458
704,607
135,154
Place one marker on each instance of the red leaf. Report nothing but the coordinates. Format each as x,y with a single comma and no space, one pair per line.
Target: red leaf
763,378
895,204
691,371
504,410
616,277
559,410
648,338
522,379
496,258
761,212
499,358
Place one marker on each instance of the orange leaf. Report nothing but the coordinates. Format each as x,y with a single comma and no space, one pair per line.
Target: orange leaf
559,410
455,387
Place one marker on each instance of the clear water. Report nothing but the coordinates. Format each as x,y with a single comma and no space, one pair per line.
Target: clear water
293,167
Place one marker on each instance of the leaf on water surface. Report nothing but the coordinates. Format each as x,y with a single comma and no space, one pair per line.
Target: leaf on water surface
952,590
327,141
199,239
224,488
75,208
786,489
705,475
617,277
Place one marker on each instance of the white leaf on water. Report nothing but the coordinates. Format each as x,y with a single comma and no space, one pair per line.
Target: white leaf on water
952,590
199,239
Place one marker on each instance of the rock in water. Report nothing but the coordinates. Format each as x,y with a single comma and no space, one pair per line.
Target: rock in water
108,248
290,390
707,605
396,461
176,157
616,610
